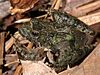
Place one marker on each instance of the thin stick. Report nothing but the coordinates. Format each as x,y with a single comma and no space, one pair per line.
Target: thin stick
2,39
42,16
57,4
18,70
23,20
53,4
9,43
17,61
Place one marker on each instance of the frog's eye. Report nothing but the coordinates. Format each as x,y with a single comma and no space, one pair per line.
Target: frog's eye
54,50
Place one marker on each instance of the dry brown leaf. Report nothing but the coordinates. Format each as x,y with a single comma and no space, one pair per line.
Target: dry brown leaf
83,10
91,19
11,62
20,6
23,4
11,58
4,7
8,20
11,41
81,7
96,27
18,70
36,68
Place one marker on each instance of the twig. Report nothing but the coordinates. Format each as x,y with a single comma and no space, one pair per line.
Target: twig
57,4
23,20
45,15
9,43
17,61
1,49
53,4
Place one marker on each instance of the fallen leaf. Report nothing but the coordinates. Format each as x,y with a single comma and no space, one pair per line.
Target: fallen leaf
20,6
36,68
4,7
18,70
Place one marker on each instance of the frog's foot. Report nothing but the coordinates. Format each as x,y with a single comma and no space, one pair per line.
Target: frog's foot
68,67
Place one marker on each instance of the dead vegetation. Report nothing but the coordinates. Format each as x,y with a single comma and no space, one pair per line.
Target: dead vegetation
87,11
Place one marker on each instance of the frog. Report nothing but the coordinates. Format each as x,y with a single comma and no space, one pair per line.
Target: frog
65,38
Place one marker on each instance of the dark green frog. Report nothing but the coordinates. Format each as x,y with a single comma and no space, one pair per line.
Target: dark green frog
65,38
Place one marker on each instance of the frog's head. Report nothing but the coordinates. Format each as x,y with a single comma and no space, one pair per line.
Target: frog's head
60,17
72,21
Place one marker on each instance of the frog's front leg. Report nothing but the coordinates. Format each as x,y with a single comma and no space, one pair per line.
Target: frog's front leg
23,53
37,54
67,19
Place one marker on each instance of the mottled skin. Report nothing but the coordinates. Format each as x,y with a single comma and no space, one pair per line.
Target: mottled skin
66,37
25,54
62,17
